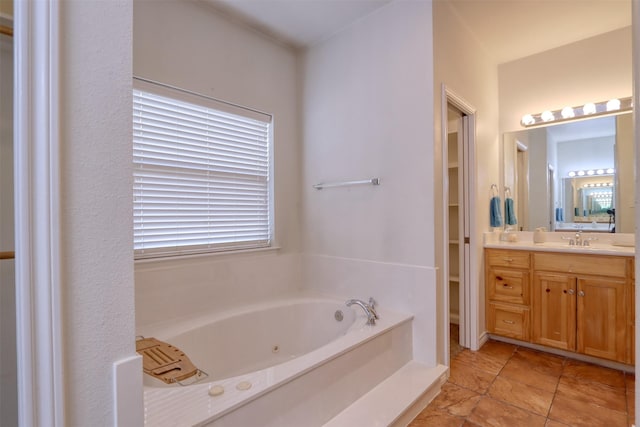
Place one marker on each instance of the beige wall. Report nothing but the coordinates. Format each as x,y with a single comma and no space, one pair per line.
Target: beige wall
96,253
591,70
465,68
367,113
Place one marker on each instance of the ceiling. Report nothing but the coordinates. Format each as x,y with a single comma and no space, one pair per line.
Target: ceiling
597,127
508,29
299,23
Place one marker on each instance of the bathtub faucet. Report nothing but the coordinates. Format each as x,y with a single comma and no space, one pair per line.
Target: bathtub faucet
369,309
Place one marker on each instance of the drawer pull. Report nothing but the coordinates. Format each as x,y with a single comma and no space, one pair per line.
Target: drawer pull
507,286
507,259
498,278
509,322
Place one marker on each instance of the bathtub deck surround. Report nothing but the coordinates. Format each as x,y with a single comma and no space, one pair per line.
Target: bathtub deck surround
309,386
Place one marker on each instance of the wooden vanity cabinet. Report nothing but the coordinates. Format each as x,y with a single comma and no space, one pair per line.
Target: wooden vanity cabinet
580,304
576,302
508,293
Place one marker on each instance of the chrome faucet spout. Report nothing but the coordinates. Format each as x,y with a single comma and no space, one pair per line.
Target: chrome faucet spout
369,309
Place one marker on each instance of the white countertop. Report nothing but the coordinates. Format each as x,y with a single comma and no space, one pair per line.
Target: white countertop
620,244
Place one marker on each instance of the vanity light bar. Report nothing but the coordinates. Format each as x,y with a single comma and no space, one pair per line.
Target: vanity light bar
599,184
612,106
592,172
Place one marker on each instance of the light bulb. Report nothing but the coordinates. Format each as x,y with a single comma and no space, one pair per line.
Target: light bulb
567,113
572,174
590,172
527,120
613,105
580,173
547,116
589,108
610,170
600,171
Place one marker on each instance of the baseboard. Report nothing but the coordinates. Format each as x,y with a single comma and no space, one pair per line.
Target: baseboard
581,357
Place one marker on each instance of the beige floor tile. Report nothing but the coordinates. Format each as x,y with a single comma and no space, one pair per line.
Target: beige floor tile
631,404
521,395
592,392
498,350
545,363
527,372
482,361
590,372
630,382
493,413
577,413
469,377
435,417
456,400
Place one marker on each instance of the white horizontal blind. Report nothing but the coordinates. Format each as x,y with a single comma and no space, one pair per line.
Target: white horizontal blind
201,178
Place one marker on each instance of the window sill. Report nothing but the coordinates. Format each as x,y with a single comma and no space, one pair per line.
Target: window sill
219,254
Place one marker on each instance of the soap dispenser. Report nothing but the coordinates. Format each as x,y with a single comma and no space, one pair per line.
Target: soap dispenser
538,235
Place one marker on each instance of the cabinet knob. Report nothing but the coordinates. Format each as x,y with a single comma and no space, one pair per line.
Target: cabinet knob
571,291
547,290
498,278
581,293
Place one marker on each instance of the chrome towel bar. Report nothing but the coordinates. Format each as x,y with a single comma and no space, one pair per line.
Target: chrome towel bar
372,181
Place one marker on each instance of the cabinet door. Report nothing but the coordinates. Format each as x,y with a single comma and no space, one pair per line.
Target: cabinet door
508,285
601,322
554,310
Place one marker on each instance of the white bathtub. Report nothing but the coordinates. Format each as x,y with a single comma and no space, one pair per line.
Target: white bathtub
303,365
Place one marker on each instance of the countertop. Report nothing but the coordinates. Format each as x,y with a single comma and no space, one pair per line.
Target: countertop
619,244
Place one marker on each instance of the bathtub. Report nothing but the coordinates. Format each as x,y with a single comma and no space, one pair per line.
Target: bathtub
295,361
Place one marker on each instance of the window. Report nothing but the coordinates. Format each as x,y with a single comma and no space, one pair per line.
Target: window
201,174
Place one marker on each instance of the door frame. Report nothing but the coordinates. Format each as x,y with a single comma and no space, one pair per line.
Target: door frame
469,295
39,338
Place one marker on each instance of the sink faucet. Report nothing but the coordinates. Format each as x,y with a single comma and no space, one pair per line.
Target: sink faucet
369,309
578,238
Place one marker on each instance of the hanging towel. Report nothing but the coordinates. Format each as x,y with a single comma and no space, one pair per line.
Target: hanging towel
509,213
495,214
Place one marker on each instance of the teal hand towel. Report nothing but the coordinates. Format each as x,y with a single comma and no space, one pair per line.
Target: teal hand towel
509,213
495,214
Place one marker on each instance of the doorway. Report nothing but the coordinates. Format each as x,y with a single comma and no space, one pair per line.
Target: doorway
458,173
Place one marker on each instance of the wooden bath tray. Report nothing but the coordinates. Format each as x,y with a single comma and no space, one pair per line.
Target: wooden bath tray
166,362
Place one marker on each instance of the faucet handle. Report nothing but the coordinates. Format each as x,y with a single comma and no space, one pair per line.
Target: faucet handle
372,307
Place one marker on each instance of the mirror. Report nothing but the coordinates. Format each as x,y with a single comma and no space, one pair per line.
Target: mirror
573,175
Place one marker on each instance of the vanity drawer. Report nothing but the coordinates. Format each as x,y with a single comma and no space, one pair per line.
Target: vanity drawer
508,320
610,266
505,258
508,285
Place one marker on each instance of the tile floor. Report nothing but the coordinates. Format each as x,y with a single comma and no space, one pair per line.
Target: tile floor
504,385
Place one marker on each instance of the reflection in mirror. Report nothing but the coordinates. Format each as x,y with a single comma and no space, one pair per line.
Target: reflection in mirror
575,175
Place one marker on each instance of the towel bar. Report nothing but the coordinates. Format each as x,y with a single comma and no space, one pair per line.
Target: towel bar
372,181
